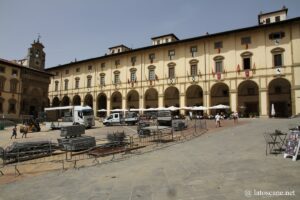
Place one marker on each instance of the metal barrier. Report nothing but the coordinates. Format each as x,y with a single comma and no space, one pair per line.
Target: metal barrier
75,160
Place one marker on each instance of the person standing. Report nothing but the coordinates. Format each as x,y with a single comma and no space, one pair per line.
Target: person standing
218,120
235,117
14,133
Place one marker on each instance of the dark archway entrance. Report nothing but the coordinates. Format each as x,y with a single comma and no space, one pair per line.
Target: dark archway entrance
248,99
133,99
76,100
194,96
279,92
171,97
88,100
116,100
55,102
151,98
65,101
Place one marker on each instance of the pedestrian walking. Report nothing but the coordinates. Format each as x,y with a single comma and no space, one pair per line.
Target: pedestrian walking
235,117
14,132
24,130
218,120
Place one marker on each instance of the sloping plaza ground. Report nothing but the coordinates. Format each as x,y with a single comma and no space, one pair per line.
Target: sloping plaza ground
229,163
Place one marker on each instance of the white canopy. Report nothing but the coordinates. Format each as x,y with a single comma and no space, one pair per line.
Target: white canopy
150,109
199,108
119,110
172,108
185,108
220,106
102,110
137,109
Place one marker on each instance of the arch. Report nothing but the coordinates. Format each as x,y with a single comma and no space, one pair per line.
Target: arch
65,101
194,96
116,100
171,97
246,54
88,100
101,101
132,99
279,92
55,102
194,61
219,94
277,50
248,98
151,98
76,100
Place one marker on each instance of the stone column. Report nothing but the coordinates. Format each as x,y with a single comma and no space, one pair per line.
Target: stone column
182,102
206,100
263,96
108,105
160,100
233,100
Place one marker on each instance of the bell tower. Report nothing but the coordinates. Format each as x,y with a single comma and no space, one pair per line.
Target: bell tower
36,55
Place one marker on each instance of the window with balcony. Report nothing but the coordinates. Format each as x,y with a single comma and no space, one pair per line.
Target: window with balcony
246,59
171,72
133,75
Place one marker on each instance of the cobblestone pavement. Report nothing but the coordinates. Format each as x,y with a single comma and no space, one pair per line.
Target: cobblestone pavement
226,164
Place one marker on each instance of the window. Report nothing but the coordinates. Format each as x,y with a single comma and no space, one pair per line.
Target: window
77,83
13,85
67,71
117,62
245,40
218,45
277,19
158,42
78,69
193,50
102,79
117,78
167,40
56,86
171,72
247,63
133,60
151,74
2,69
89,81
133,75
66,84
56,73
14,72
90,67
219,64
277,60
276,35
268,21
2,83
102,65
151,57
171,54
194,70
277,56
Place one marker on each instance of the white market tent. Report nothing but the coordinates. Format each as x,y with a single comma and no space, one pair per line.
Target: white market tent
220,106
197,108
102,110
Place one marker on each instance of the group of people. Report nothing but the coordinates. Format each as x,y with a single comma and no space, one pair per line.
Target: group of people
218,118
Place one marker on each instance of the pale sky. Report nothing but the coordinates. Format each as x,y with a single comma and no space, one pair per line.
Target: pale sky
84,29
